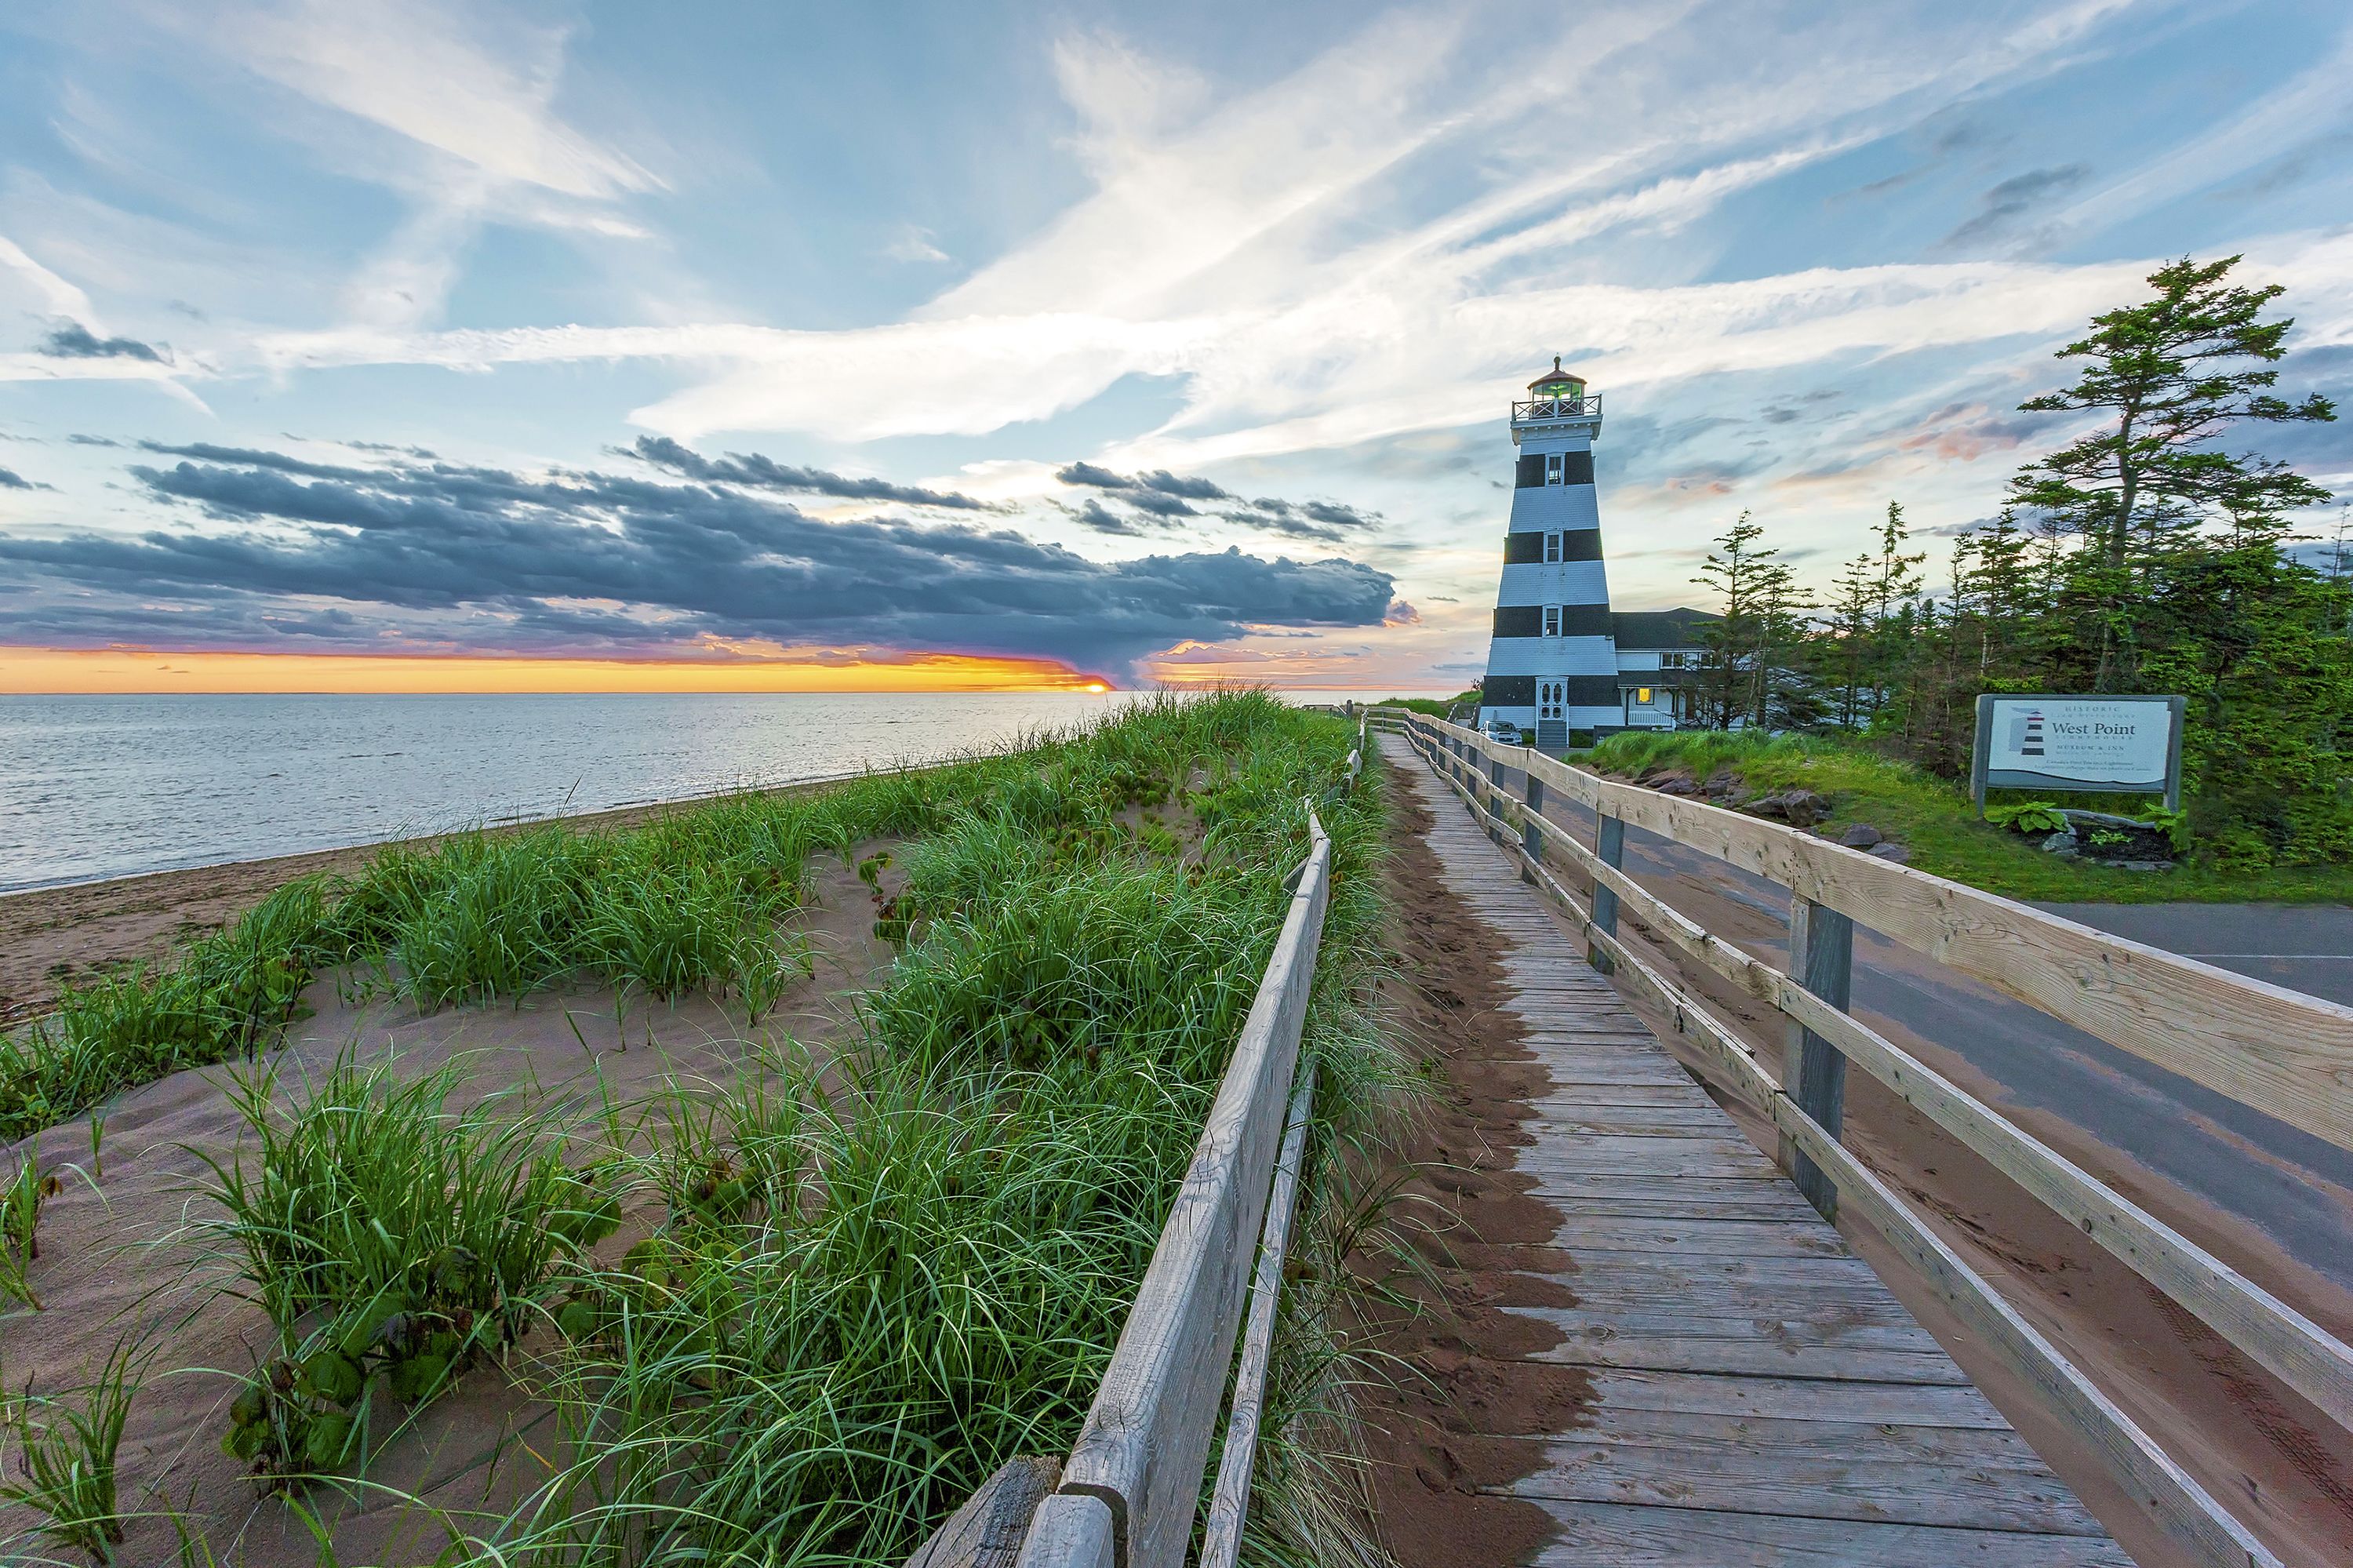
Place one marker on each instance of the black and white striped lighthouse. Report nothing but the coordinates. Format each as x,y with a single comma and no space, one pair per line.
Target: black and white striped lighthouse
1553,664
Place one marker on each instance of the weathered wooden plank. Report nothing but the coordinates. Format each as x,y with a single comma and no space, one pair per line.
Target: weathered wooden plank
1792,1399
1634,1537
1068,1531
1763,1437
1698,1237
1858,1481
989,1530
1147,1439
2201,1526
1667,1198
1221,1533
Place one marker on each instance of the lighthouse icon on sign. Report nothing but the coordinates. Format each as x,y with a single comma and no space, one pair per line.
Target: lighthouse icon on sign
2026,733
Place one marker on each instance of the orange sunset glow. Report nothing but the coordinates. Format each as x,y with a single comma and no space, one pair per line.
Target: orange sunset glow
121,671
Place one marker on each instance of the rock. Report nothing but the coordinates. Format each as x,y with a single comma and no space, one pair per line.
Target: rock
1798,808
2062,843
1895,852
1676,784
2139,864
1722,782
1861,836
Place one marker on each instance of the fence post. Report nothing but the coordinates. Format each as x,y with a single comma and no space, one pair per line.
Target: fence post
1495,794
1531,841
1609,848
1813,1071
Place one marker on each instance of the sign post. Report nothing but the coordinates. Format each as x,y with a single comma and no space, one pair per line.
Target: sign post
2119,746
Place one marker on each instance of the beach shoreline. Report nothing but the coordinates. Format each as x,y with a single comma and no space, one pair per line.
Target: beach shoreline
49,936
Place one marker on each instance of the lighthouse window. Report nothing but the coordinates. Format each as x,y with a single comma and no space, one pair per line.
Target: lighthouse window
1552,469
1552,546
1552,620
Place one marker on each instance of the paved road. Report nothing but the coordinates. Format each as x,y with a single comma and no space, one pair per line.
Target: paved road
2234,1157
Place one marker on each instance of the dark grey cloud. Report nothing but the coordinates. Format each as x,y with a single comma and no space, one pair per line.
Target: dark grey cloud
592,561
11,479
75,341
1102,519
1160,493
2000,208
93,440
1325,520
766,474
1155,482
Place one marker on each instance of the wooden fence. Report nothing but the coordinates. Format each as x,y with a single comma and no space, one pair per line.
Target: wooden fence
2285,1053
1128,1493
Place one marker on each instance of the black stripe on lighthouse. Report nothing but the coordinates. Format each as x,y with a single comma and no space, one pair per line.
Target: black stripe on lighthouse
1527,549
1576,468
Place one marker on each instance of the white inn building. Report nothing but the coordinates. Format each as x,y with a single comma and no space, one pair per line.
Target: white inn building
1559,660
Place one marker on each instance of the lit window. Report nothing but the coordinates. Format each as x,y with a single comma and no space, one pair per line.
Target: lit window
1641,693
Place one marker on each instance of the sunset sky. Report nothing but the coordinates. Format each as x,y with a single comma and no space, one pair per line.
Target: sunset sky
390,345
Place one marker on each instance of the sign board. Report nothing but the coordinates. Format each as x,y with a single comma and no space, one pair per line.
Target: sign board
2107,744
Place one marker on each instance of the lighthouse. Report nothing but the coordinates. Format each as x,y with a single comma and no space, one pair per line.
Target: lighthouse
1552,666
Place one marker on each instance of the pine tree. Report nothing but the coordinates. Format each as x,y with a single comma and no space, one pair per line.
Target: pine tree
2170,374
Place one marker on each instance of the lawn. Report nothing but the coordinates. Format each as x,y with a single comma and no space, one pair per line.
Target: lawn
1933,819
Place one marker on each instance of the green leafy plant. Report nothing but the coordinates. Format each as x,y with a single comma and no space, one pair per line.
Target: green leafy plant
2029,816
2174,826
2108,838
391,1241
20,1227
65,1453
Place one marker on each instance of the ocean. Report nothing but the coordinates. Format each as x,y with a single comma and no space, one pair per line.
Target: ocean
95,787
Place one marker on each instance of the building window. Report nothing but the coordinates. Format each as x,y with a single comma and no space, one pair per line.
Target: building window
1552,469
1552,620
1552,546
1642,694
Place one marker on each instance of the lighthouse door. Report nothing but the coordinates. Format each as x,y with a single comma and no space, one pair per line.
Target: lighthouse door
1552,713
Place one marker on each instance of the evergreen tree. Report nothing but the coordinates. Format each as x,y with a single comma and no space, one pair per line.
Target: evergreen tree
2169,375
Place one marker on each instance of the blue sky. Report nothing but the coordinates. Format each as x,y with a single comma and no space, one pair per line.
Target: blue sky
1146,340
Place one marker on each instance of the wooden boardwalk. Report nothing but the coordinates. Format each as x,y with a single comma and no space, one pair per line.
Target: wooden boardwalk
1759,1395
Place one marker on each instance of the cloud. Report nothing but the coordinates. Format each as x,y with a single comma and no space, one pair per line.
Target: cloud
1094,515
75,341
1999,208
585,560
766,474
914,244
11,479
1325,520
1400,613
1159,482
450,79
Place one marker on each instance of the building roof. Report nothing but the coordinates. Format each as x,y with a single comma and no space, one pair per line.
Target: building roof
1557,380
1647,628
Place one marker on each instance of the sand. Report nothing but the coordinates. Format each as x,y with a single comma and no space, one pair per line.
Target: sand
1442,1430
119,1253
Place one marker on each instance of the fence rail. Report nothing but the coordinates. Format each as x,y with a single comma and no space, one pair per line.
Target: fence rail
1128,1494
2285,1053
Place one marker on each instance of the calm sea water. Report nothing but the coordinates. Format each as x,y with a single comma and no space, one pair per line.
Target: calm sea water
99,786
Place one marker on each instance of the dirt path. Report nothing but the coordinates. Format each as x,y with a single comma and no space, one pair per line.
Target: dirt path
1462,1389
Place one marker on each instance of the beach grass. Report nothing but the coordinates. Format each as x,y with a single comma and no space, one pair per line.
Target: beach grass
863,1291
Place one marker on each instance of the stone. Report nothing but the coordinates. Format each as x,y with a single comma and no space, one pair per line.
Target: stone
1895,852
2062,843
2139,864
1861,836
1798,808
